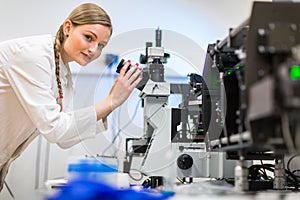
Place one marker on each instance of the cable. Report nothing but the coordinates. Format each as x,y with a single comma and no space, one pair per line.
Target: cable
290,176
136,179
290,160
9,190
296,170
294,179
129,122
264,170
256,173
120,129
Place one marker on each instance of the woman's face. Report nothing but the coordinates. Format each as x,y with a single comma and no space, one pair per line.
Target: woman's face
84,43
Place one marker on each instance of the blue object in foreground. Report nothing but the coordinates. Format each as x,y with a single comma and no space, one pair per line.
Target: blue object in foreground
87,189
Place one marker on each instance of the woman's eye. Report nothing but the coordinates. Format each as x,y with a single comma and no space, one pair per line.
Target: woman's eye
101,46
89,38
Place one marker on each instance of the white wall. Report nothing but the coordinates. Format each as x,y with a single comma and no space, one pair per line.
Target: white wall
188,26
193,18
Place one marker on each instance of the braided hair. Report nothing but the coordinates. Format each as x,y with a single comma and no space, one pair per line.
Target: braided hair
87,13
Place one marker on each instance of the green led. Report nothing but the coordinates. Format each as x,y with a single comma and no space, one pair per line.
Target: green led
238,66
295,72
229,72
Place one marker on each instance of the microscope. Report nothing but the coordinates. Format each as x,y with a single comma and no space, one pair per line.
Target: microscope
173,141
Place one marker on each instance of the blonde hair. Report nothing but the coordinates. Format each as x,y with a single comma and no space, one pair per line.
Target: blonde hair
87,13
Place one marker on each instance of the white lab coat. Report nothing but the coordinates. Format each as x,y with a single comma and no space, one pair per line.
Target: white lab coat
28,92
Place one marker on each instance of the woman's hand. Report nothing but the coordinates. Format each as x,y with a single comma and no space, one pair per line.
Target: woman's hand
120,91
124,84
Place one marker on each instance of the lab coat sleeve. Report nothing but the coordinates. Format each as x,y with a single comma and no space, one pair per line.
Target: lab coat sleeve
82,126
30,79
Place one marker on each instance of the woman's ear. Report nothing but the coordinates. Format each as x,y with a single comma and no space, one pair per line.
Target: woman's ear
67,27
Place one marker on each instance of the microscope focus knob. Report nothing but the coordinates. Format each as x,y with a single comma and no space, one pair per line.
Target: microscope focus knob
185,161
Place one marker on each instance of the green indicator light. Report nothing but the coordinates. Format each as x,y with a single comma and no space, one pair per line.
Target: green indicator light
228,73
237,67
295,72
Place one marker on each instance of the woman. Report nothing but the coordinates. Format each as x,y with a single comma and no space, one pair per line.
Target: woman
36,86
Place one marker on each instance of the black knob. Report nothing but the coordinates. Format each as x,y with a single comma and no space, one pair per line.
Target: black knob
185,161
143,59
